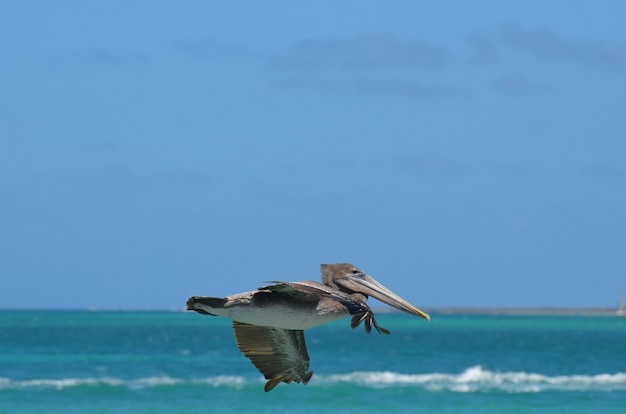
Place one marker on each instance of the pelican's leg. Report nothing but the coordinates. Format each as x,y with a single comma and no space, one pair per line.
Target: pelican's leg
368,317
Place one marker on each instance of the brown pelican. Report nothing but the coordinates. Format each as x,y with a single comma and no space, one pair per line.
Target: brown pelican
269,322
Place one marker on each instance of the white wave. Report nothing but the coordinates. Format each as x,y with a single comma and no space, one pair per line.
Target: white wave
139,383
221,380
149,382
473,379
477,379
60,383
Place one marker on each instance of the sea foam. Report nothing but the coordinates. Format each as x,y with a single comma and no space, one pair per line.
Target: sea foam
138,383
473,379
477,379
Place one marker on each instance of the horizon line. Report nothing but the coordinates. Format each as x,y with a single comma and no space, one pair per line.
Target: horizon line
441,310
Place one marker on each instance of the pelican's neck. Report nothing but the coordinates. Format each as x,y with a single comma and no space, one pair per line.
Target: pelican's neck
359,296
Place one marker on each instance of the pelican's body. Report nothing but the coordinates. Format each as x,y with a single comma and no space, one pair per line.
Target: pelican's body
269,322
266,308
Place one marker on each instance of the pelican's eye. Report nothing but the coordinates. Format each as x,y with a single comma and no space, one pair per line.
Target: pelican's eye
355,271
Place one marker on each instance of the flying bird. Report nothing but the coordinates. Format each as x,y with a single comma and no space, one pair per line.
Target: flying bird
269,322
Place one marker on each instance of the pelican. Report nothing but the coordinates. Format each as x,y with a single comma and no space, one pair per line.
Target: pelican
269,322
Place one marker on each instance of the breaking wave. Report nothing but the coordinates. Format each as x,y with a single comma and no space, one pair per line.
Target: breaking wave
474,379
140,383
477,379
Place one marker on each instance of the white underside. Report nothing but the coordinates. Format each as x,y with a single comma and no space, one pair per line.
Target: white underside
279,316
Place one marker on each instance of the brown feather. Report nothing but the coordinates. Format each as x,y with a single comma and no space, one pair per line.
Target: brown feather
279,354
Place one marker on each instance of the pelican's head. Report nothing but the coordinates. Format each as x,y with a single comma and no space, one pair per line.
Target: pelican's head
350,279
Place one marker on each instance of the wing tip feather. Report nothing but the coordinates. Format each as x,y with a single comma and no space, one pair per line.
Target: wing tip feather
274,381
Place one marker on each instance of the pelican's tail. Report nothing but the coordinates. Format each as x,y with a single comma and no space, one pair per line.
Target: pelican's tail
206,305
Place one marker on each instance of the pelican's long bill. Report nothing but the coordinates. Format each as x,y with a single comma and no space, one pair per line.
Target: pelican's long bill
367,285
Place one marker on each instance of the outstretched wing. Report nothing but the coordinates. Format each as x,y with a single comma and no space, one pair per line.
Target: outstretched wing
316,289
279,354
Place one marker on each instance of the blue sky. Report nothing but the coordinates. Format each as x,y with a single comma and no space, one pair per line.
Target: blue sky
462,153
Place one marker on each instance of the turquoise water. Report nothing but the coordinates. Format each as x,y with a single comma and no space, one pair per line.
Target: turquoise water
175,362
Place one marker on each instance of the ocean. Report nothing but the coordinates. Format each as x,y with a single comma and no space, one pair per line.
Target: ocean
183,362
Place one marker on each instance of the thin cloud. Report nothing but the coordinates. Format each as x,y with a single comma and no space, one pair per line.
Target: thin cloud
109,182
405,87
371,86
516,84
483,50
601,171
208,48
360,53
379,64
98,56
100,147
432,165
106,57
508,168
545,44
113,182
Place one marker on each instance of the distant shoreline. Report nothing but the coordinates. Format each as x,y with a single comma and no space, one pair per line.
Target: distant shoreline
521,311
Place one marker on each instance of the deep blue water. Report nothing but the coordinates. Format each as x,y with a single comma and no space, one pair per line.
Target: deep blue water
175,362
